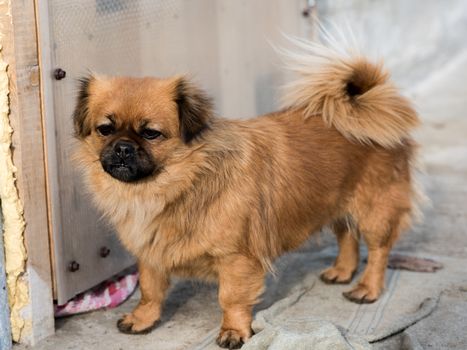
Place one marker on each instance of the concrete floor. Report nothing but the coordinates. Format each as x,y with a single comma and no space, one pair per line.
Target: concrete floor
192,315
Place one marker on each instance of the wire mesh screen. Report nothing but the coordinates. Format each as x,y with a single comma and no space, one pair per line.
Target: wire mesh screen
224,45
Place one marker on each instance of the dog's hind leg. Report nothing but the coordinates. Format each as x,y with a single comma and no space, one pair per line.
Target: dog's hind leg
346,262
380,228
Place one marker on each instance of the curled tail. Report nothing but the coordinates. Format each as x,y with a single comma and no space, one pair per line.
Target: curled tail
350,93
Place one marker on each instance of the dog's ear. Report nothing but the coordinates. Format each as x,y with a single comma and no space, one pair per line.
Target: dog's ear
82,128
195,109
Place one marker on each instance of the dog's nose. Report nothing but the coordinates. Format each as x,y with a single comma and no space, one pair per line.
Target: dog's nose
124,149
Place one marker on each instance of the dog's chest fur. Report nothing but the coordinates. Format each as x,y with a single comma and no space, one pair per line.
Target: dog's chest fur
152,233
136,225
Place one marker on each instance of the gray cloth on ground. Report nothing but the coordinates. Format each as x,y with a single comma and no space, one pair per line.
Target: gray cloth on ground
301,312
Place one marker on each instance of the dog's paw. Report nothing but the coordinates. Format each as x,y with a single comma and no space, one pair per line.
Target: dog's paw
230,339
363,294
336,275
129,324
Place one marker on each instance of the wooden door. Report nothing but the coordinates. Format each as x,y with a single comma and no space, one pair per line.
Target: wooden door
222,44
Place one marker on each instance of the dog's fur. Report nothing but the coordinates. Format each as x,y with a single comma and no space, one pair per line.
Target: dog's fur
226,197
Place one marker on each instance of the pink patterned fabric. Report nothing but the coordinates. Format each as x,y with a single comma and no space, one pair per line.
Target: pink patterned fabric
110,293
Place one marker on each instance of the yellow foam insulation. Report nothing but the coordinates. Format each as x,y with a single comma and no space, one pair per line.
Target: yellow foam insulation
12,211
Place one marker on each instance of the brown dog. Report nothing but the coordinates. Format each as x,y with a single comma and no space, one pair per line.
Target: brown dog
196,195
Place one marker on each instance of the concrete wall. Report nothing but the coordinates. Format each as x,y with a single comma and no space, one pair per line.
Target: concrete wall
415,37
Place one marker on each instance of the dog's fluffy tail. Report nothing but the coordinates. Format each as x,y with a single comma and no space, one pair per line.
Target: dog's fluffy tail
350,93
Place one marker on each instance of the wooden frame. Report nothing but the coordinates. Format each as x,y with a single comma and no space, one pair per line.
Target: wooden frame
20,51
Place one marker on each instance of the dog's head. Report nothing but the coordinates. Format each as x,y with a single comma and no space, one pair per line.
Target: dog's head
134,126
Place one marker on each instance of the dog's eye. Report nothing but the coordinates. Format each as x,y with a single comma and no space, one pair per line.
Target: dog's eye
106,129
150,134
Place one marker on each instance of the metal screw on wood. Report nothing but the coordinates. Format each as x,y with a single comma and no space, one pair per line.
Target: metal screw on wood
59,74
104,252
307,11
73,266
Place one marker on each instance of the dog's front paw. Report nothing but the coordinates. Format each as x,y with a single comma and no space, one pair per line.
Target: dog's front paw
230,339
363,294
129,324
